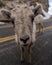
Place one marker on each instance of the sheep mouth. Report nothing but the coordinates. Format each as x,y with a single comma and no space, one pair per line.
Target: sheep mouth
25,45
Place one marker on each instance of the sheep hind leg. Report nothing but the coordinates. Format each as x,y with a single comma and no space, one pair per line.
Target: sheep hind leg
22,54
39,27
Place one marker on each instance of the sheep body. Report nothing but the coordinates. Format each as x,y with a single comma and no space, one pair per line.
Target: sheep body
38,19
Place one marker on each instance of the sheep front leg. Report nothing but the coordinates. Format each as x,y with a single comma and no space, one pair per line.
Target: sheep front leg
22,54
42,26
29,55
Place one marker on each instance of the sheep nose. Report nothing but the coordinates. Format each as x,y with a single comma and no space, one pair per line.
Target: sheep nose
24,39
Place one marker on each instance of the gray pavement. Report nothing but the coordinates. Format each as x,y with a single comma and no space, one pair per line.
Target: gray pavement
41,52
4,32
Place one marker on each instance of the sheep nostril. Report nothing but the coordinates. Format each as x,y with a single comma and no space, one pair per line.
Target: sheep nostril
24,39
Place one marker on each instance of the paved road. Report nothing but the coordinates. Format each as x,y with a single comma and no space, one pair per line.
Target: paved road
6,30
41,52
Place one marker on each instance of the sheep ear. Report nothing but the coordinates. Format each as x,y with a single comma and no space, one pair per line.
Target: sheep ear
7,14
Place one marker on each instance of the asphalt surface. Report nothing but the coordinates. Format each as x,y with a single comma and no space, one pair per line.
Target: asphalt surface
41,52
6,30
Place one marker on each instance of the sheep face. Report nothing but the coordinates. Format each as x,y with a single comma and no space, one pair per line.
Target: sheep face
25,28
38,9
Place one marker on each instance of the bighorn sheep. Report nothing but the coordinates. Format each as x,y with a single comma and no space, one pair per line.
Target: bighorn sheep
25,28
39,19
